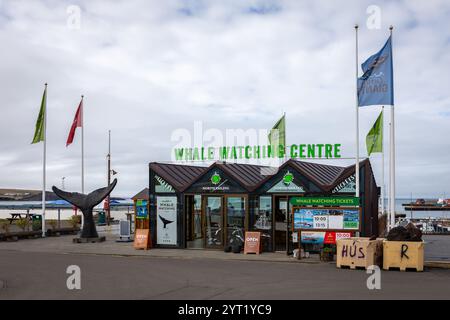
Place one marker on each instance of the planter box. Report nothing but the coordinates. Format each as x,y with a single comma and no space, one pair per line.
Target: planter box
14,236
403,255
61,231
358,252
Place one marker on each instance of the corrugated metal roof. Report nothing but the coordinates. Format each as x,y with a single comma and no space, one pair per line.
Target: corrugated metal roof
178,176
251,176
322,174
248,175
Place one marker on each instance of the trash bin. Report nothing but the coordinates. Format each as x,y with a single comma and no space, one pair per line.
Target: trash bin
101,218
36,222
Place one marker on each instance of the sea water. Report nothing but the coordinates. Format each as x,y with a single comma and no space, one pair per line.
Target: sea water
8,207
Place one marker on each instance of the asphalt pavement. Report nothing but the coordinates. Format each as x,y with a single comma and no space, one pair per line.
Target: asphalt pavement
42,275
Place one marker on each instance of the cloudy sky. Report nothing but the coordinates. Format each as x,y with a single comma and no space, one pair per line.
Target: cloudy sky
149,68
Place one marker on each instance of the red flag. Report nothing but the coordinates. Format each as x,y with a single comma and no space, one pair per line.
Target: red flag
77,122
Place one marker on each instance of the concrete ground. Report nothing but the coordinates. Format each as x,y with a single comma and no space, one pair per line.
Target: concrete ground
437,248
36,269
35,275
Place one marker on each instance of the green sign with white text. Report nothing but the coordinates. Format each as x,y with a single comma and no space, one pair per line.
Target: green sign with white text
325,201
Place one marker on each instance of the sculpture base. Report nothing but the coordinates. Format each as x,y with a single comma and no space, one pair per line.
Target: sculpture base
89,240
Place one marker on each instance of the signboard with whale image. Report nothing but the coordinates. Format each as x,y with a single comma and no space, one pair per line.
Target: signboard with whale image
166,223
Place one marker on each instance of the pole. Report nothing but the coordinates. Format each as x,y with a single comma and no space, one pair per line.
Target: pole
109,179
382,164
392,158
82,144
44,164
285,138
357,115
82,154
59,217
388,208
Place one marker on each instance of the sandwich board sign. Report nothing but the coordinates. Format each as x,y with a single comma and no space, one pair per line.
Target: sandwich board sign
252,242
142,239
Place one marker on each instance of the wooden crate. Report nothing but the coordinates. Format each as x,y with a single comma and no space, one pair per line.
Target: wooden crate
403,255
358,252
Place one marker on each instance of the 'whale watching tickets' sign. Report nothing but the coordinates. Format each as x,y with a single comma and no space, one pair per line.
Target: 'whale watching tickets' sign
294,151
325,201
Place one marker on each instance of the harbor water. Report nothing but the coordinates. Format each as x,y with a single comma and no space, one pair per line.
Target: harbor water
33,207
119,212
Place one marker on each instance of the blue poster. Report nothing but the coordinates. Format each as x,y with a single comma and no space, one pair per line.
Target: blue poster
141,210
304,218
351,219
313,237
345,219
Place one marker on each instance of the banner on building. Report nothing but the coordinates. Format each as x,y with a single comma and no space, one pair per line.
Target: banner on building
166,223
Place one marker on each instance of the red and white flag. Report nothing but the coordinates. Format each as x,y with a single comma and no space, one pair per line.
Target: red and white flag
77,122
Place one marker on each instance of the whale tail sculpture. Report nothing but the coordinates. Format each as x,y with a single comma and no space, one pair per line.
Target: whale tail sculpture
86,204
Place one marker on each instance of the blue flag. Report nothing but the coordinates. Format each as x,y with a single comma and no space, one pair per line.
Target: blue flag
376,85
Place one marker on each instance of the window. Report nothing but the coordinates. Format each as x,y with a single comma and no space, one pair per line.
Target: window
263,221
235,220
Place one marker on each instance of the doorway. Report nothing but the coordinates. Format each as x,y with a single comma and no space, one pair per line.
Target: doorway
215,221
280,223
283,224
194,222
235,220
213,213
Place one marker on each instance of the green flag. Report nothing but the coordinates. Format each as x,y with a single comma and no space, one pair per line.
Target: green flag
374,139
277,135
39,133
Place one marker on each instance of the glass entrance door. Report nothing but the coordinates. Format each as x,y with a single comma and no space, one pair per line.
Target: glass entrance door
213,222
281,223
235,220
194,222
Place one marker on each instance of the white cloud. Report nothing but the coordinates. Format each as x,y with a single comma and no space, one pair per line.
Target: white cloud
150,67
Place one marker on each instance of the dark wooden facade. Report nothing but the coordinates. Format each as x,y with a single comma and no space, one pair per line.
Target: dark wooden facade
251,182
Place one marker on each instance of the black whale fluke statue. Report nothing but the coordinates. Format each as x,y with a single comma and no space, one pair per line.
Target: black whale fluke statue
86,203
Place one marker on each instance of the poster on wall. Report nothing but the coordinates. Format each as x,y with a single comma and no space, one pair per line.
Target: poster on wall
303,219
310,237
166,223
351,219
320,222
326,219
141,209
322,237
336,220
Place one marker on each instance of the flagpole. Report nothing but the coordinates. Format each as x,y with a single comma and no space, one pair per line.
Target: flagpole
108,217
382,163
388,208
82,144
82,154
285,137
44,164
357,115
392,155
